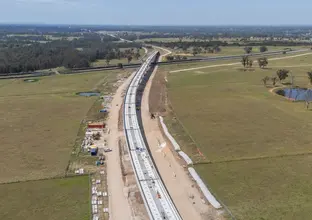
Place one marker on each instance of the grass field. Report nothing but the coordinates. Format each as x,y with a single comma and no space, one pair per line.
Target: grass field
52,199
52,84
256,145
40,122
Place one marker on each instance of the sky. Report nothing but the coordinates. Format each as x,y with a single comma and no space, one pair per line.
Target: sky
159,12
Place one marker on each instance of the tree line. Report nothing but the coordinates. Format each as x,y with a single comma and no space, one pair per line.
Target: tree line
185,45
28,58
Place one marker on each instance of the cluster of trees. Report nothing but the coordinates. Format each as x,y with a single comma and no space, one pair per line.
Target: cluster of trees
117,54
248,49
206,49
282,74
176,57
263,62
267,78
247,62
38,56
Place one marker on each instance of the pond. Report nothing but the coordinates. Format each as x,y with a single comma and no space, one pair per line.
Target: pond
296,94
31,80
88,94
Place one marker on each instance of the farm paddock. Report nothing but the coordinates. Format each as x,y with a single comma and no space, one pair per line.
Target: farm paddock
251,146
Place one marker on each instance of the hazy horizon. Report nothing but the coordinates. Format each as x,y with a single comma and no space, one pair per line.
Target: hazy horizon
160,25
164,13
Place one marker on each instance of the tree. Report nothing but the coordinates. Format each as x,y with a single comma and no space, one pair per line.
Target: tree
210,50
282,74
263,49
169,58
249,63
107,60
310,76
274,80
199,50
120,66
137,55
245,60
248,50
216,49
265,80
184,48
195,51
178,57
263,62
129,58
118,54
184,58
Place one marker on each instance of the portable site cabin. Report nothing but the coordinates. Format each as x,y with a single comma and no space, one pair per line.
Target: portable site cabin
99,125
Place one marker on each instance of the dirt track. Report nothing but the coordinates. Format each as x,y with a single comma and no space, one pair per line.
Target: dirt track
118,202
181,188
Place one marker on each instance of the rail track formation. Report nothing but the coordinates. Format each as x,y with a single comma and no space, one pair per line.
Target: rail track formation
156,198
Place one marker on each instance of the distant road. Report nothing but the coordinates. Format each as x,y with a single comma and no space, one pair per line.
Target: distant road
233,64
124,40
233,57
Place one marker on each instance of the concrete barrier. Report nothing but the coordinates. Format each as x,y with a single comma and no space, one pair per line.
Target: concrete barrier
175,145
211,199
185,157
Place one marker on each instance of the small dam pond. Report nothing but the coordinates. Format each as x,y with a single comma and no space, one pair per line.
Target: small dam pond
88,94
296,94
31,80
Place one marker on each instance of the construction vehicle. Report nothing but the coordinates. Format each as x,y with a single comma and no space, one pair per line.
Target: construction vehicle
158,195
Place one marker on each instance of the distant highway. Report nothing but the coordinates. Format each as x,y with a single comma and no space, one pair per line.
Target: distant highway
190,60
157,200
233,57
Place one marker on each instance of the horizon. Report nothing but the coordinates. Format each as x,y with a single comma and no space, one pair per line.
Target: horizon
172,13
160,25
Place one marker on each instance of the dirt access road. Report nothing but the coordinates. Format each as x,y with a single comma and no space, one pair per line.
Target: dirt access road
181,188
119,207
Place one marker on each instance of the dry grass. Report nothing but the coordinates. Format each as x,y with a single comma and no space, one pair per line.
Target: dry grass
37,134
40,122
53,84
52,199
256,144
272,188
